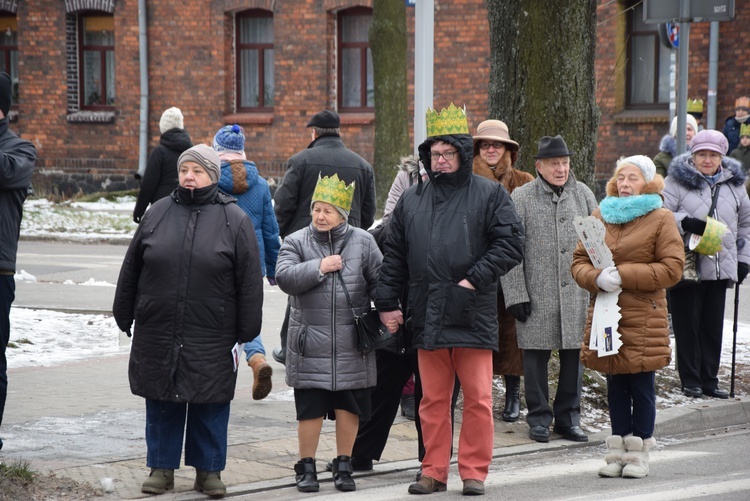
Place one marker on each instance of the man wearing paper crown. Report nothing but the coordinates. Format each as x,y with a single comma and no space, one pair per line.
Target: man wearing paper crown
742,152
451,238
330,271
702,183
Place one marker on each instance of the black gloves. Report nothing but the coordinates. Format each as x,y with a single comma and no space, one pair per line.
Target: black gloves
520,311
137,219
694,225
742,269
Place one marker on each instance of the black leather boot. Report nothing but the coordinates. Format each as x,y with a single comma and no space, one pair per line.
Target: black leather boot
307,477
342,474
512,398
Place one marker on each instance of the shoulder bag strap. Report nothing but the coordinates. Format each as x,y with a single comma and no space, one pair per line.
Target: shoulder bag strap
341,277
715,198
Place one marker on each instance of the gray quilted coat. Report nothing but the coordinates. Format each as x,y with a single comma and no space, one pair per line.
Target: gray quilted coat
688,193
558,305
322,341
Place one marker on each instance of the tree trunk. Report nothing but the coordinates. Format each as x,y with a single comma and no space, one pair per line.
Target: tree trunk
388,45
542,79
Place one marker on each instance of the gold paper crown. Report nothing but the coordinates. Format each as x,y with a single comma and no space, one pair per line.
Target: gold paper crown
449,121
334,191
695,106
744,130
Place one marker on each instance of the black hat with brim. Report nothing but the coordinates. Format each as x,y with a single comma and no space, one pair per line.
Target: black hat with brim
552,147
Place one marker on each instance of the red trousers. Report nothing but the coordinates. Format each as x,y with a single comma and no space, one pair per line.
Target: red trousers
438,370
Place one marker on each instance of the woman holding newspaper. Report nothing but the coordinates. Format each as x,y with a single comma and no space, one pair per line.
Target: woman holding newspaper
648,257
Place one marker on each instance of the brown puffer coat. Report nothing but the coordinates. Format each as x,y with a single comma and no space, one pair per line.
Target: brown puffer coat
508,360
649,255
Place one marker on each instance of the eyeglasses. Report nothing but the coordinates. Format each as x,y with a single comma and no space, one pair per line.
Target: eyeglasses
447,155
486,146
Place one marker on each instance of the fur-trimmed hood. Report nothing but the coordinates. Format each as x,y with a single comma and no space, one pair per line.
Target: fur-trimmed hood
668,145
686,174
410,165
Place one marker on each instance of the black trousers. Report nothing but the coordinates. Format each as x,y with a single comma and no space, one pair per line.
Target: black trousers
698,321
566,409
393,373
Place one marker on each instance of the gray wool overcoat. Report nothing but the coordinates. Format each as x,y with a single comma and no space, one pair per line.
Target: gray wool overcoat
558,305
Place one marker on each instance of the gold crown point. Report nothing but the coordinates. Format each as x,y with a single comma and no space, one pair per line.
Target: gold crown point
334,191
451,120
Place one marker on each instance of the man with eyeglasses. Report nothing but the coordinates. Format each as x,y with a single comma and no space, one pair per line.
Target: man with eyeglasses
494,155
450,239
542,295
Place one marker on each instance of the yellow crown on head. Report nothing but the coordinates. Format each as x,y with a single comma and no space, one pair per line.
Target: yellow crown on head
695,106
334,191
449,121
744,130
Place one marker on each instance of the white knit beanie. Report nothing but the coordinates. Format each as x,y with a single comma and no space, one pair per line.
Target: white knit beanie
645,164
689,120
171,119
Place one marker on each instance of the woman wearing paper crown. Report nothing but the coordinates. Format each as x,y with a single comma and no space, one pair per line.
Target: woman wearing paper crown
698,180
648,257
329,375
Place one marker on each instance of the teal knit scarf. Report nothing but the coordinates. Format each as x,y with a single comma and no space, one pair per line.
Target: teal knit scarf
617,210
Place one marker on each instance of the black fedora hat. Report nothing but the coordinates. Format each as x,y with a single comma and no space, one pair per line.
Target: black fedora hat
552,147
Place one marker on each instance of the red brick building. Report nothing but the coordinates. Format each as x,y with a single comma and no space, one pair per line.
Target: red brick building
270,64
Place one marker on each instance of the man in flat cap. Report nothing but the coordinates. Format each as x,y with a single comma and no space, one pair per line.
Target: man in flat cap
541,294
324,156
17,160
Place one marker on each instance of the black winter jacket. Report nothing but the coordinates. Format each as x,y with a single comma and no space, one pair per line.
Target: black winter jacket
17,159
453,227
325,156
192,281
160,178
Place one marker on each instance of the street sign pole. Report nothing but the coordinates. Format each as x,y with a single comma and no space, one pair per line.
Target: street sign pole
682,87
424,55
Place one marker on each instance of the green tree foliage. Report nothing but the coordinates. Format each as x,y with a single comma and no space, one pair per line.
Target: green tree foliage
542,79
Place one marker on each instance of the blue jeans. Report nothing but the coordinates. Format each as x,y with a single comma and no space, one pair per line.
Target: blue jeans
7,295
632,404
205,439
253,347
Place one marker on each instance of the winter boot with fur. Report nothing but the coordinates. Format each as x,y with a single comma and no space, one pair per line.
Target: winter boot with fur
262,373
613,458
636,457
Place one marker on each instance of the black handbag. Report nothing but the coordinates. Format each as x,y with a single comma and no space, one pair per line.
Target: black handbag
371,334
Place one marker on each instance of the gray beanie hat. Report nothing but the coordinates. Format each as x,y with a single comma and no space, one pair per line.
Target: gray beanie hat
203,155
171,119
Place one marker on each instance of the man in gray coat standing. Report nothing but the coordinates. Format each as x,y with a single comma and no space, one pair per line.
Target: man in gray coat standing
541,294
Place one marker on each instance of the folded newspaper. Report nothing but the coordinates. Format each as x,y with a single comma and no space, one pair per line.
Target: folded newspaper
605,338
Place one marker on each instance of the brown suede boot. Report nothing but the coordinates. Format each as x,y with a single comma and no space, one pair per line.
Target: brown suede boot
262,373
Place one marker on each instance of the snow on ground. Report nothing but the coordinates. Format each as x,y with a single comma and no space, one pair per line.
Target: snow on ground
44,337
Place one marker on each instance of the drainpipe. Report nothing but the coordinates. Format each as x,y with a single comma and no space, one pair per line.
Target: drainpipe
143,60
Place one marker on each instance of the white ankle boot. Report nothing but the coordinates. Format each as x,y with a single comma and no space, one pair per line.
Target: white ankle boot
613,457
636,457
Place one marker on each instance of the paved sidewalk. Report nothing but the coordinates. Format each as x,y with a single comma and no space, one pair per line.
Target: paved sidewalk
80,420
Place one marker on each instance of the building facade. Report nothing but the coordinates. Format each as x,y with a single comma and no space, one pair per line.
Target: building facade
269,65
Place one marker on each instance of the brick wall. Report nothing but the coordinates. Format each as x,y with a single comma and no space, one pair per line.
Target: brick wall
191,66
